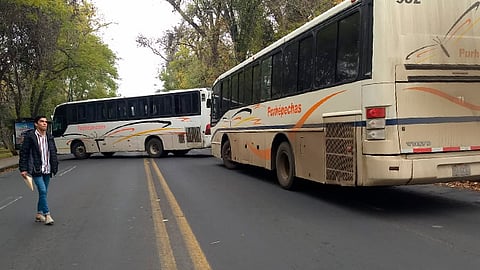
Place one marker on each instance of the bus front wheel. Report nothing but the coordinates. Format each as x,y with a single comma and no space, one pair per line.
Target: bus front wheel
79,150
227,156
154,148
285,166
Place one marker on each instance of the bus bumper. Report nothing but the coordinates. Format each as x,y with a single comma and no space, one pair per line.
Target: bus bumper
420,169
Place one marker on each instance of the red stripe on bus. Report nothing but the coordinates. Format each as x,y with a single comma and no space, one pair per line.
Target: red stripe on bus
422,150
451,148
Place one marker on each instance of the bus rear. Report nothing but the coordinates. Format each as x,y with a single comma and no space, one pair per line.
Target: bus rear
424,95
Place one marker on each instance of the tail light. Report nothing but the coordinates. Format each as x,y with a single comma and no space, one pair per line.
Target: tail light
376,123
207,130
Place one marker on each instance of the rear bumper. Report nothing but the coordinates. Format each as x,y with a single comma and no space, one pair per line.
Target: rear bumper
420,169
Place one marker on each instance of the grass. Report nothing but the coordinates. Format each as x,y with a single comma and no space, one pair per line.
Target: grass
5,153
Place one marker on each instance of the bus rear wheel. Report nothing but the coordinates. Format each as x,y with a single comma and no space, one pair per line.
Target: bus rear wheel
154,148
79,150
285,166
227,156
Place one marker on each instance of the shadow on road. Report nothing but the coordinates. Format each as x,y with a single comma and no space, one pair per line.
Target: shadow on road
397,200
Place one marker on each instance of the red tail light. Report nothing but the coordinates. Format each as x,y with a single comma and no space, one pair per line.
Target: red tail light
207,130
378,112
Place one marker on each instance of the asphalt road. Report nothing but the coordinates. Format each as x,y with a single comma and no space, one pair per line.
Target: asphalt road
132,212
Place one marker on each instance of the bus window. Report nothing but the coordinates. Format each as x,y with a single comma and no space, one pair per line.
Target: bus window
290,68
225,95
121,110
248,86
305,64
266,79
82,113
101,111
235,90
111,110
132,109
277,67
72,113
90,112
348,49
241,88
257,77
326,55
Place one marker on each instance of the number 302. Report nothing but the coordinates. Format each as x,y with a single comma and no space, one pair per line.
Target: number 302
409,1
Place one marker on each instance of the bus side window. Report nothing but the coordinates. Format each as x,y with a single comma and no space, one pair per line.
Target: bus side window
225,106
257,82
234,102
195,103
101,111
305,64
154,103
111,110
241,89
82,113
348,48
290,68
121,110
266,80
248,95
143,107
132,108
277,67
91,112
72,113
326,51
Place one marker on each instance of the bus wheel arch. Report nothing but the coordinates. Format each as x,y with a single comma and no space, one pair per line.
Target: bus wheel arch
283,162
154,147
79,150
226,152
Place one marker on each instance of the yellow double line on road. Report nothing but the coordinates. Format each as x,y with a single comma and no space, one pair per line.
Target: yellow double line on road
167,259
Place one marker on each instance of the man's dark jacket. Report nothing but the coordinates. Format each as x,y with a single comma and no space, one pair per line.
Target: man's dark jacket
31,158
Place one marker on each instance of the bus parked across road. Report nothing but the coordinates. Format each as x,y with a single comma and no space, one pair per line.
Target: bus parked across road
170,122
370,93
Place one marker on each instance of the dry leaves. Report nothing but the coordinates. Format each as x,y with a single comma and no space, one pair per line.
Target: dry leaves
472,185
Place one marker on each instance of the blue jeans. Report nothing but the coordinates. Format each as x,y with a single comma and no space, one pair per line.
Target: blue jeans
42,186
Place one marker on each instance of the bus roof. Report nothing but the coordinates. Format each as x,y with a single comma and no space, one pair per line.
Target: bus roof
150,95
322,17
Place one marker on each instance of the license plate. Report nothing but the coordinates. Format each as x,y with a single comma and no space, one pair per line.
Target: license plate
461,170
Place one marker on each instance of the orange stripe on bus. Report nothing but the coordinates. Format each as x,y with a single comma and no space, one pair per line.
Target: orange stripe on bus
263,154
446,96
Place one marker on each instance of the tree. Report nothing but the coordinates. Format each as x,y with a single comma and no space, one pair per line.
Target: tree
49,54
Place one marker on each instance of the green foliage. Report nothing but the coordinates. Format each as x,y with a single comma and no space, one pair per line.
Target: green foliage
216,35
49,54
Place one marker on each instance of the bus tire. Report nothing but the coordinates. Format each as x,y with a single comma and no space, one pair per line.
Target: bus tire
227,156
154,148
79,150
285,166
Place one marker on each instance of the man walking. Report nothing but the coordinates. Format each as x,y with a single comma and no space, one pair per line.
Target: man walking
38,157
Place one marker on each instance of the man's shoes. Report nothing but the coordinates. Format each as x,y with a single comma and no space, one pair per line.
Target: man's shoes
39,218
48,220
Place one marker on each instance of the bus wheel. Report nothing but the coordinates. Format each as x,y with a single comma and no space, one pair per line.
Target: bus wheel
285,166
227,156
108,154
180,152
79,150
155,148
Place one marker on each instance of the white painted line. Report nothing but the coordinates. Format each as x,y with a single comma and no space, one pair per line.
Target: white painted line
11,202
67,171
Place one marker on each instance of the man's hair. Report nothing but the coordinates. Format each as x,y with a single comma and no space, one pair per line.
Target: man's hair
37,118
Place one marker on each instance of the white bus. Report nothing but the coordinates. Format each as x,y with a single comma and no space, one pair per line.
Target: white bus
370,93
171,122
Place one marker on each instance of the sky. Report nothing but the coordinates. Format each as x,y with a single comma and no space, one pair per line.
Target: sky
137,67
